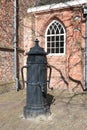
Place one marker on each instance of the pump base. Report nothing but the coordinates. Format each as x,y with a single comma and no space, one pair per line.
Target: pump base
35,111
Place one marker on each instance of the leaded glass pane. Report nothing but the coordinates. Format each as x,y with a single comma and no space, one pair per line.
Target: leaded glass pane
57,38
52,50
57,31
48,33
61,50
57,50
52,44
57,44
62,38
62,31
61,44
48,38
48,50
53,38
48,44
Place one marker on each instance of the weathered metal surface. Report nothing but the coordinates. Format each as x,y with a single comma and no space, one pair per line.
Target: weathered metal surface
36,103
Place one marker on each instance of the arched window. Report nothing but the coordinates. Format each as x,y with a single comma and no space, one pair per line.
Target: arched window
55,38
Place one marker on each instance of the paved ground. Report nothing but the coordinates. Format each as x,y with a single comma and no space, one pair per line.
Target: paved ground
68,112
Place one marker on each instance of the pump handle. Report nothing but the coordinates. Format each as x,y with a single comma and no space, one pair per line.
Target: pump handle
48,66
23,76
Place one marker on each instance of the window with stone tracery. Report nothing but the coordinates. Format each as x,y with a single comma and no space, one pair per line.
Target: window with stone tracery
55,38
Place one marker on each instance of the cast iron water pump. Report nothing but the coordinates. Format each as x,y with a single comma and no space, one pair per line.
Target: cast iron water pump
37,82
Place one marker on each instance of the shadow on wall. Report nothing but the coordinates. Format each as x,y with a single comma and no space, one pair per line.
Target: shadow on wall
77,82
61,75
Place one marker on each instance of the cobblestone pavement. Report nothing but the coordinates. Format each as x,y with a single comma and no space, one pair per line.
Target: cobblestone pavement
68,112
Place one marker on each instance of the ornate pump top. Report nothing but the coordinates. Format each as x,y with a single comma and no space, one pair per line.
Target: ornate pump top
36,49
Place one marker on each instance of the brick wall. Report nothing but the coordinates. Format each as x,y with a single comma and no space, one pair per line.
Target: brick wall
67,70
6,42
7,46
6,66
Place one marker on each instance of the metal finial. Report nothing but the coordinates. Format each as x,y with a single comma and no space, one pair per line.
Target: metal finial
36,42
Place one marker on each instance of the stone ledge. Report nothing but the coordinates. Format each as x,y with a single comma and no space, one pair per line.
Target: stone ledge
11,49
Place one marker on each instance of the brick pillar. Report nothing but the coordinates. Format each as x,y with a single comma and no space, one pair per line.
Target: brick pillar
29,35
29,32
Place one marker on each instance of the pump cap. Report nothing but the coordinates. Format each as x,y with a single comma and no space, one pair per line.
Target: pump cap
36,49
